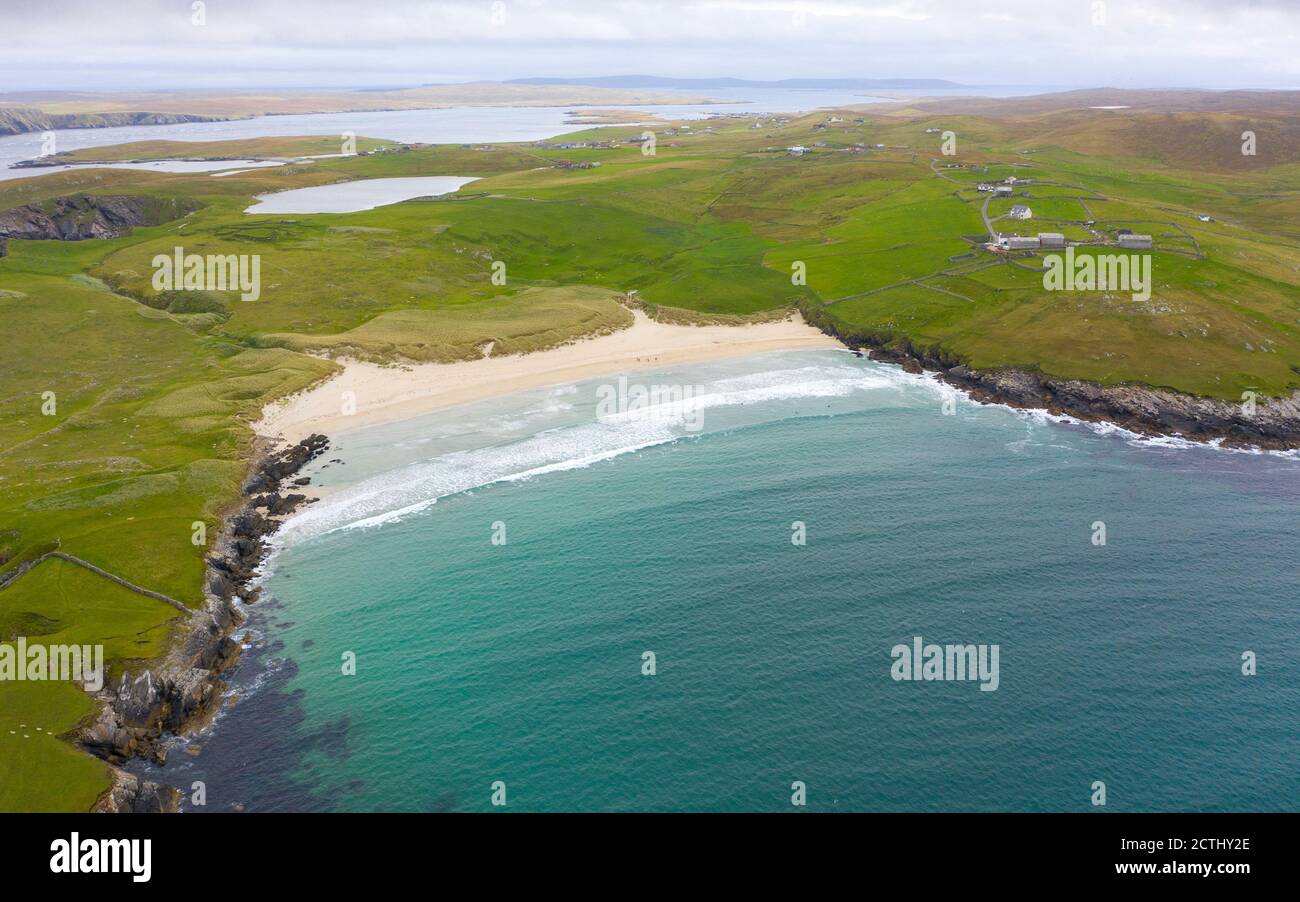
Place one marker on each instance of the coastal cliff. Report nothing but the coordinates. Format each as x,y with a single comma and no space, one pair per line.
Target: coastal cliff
20,120
79,217
185,690
1271,423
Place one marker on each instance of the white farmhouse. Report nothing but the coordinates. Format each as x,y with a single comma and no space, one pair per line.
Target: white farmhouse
1020,211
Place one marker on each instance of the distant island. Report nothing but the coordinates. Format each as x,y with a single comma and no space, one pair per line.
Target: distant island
23,112
709,84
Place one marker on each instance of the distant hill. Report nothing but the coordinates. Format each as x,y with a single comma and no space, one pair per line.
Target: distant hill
1185,100
1182,129
826,84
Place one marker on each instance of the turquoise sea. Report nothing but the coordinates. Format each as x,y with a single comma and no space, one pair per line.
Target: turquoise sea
522,662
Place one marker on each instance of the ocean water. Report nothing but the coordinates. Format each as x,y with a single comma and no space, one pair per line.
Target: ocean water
669,530
441,126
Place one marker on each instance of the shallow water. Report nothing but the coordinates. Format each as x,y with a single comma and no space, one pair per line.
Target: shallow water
349,197
631,532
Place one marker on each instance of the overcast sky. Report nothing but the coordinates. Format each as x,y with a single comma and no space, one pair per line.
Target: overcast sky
107,44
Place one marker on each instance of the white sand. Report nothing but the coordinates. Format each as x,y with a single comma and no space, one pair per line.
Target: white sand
387,394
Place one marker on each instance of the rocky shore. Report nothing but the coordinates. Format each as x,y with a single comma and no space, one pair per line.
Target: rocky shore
79,217
1268,423
186,689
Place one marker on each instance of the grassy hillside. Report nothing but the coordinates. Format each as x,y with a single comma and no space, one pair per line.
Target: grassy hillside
155,390
243,149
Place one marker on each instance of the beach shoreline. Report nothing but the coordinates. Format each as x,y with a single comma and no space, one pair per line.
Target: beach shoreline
385,394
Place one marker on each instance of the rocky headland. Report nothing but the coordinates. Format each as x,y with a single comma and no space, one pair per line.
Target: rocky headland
185,690
20,120
1267,423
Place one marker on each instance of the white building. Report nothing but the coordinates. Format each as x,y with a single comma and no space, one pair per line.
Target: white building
1020,211
798,150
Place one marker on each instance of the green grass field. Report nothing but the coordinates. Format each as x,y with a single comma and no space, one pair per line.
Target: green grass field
155,390
288,147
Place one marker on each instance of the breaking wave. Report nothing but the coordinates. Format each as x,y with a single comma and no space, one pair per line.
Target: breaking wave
393,495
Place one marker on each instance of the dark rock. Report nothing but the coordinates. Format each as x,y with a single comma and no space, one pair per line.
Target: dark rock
278,505
186,688
1274,423
131,795
81,216
276,468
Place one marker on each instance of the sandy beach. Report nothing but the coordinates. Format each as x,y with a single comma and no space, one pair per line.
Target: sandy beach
385,394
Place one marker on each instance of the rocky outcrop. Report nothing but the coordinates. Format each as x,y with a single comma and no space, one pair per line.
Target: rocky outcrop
1270,423
18,120
279,505
177,695
278,467
81,216
231,570
131,795
181,693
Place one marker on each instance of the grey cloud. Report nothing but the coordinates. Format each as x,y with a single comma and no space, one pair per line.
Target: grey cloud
64,44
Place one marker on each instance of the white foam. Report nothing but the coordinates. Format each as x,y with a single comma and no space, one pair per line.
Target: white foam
1108,429
394,495
397,494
